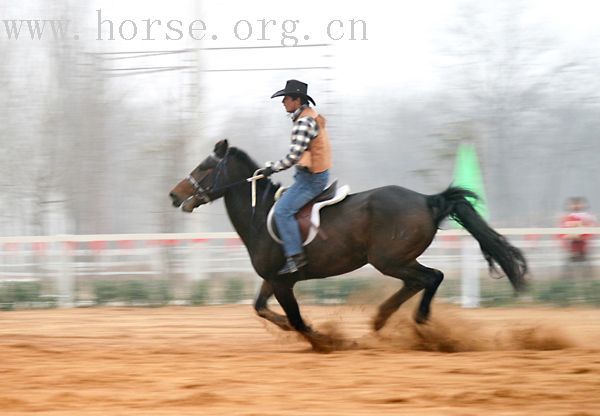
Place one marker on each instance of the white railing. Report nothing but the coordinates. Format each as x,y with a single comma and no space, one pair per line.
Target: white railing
66,259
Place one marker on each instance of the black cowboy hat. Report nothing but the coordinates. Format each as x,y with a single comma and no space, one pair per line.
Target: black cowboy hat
294,87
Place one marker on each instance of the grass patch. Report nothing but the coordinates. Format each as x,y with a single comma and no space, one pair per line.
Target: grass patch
132,292
15,295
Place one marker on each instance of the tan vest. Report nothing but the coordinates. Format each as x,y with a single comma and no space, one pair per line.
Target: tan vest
317,158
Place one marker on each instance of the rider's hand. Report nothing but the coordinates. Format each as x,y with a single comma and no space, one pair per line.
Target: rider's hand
266,172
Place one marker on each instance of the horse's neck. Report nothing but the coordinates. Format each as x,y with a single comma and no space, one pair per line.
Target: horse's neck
249,223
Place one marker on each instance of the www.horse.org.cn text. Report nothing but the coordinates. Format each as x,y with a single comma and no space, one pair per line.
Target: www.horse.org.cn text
286,32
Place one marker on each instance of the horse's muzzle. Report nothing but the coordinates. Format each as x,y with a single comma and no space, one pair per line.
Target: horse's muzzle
189,204
176,200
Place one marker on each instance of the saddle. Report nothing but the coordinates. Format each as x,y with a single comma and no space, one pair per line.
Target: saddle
308,216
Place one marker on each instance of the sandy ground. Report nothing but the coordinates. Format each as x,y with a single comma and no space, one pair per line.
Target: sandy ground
226,361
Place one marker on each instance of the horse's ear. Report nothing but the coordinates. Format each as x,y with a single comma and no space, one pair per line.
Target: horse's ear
221,148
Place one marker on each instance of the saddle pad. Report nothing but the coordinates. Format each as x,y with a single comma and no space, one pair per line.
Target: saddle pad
309,224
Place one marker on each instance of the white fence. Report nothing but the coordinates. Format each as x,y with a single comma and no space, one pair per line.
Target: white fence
67,259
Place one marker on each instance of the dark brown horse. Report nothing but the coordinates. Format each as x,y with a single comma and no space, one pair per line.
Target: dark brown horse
388,227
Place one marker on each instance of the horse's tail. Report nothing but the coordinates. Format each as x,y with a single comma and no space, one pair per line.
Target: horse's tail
495,248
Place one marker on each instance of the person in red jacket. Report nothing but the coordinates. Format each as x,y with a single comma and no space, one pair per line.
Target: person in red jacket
577,216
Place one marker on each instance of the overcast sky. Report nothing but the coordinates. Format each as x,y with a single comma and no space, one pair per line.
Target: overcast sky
402,57
402,53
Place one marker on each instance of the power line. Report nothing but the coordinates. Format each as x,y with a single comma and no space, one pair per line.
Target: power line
219,48
265,69
147,68
144,72
152,70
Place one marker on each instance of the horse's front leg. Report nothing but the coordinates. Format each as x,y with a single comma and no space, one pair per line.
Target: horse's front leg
284,294
262,309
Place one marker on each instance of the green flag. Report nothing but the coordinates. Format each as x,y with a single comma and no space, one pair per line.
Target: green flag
467,175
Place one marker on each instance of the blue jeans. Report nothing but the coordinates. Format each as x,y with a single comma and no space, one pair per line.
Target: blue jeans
306,186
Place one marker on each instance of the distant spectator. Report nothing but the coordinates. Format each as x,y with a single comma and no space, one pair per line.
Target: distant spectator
577,216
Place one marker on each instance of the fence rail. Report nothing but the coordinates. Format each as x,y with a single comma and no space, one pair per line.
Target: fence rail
66,263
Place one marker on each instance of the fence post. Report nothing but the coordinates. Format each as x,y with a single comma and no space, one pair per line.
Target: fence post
469,262
64,281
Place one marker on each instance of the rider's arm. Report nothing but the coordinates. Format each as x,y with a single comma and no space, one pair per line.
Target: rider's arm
303,131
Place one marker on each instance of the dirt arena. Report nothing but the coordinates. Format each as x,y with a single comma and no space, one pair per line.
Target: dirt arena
225,361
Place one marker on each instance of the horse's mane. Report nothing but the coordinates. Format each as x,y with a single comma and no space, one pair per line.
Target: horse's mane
243,158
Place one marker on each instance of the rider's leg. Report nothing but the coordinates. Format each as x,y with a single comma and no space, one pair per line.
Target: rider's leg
306,187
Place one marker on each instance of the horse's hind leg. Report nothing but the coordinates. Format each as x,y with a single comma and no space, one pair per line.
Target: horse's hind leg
262,309
416,277
434,279
391,305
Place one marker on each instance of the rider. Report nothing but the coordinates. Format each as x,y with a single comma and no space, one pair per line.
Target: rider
310,151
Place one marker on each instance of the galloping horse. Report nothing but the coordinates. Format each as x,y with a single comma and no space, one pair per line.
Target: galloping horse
388,227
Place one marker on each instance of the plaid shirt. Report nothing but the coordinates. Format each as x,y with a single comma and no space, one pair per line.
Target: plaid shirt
303,131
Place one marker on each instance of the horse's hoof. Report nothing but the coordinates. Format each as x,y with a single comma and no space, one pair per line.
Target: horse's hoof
323,343
378,324
421,319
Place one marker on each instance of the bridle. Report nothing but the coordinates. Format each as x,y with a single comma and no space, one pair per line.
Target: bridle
201,192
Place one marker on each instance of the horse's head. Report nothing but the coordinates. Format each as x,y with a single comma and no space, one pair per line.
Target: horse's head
204,183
